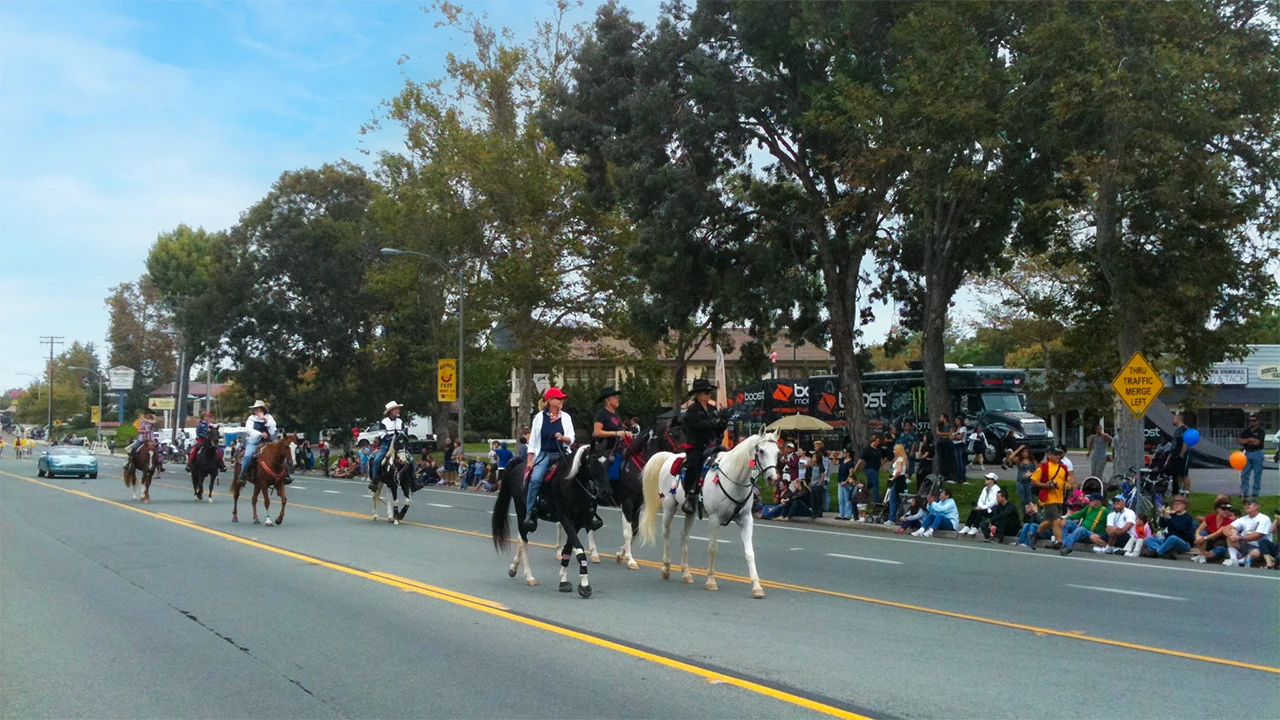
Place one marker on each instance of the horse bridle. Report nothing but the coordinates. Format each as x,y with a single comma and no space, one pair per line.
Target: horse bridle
750,485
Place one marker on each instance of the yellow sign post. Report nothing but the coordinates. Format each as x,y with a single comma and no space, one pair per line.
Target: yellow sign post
95,414
1138,384
162,403
447,381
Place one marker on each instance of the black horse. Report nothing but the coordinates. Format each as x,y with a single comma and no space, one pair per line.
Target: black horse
397,475
569,493
627,492
206,465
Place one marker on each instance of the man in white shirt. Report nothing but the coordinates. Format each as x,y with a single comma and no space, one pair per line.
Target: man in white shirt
1244,533
1120,522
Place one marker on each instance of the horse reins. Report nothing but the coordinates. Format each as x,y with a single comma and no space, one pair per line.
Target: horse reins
751,485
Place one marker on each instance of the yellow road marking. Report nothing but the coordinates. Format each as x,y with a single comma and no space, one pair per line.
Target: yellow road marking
484,606
774,584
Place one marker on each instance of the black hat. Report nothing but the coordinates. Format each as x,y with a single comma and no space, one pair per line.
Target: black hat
702,385
607,391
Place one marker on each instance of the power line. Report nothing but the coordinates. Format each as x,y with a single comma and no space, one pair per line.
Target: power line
51,340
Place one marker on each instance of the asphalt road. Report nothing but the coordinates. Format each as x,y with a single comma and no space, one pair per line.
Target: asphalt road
113,609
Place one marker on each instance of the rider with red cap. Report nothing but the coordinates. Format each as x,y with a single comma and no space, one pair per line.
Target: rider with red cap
551,427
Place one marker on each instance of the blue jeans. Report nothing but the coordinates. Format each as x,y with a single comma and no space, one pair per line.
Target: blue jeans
1171,544
1028,531
1252,464
375,469
615,468
540,468
1026,493
894,499
846,501
1075,535
934,521
250,448
873,486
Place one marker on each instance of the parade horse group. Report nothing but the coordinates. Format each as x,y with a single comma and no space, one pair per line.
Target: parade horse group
648,483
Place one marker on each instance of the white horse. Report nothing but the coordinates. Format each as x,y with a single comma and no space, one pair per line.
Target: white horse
727,496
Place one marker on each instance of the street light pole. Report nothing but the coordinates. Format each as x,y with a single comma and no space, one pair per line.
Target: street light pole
461,327
99,376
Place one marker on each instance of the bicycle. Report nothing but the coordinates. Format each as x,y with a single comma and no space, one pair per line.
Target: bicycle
1142,493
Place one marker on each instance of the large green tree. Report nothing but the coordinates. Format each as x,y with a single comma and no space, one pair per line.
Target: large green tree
140,335
1163,119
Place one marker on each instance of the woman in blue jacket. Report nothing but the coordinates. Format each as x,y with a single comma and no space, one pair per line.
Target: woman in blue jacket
942,515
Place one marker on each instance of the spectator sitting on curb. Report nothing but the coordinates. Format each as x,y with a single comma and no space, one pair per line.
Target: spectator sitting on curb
1210,538
912,517
1120,522
1032,519
1179,527
1088,523
942,515
1244,534
1140,533
1002,521
1268,545
982,509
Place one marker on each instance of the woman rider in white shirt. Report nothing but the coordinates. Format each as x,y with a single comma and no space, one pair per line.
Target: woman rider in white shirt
551,427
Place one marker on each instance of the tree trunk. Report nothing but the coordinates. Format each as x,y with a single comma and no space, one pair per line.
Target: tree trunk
933,355
678,383
1125,314
527,390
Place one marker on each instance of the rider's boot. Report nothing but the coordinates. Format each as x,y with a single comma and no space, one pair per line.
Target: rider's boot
596,521
690,505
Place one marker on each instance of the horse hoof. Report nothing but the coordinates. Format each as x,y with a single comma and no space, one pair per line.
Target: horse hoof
595,559
256,521
584,591
235,519
666,574
269,523
566,586
198,498
511,571
711,585
146,500
279,521
531,582
686,579
757,593
632,566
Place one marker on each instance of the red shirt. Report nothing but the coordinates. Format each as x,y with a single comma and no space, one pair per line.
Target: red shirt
1213,523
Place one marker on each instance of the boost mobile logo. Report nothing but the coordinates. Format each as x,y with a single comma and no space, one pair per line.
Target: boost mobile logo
751,397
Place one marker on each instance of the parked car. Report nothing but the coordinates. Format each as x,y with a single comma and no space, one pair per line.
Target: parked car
67,460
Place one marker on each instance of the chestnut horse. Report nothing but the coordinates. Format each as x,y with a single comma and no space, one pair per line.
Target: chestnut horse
266,472
146,459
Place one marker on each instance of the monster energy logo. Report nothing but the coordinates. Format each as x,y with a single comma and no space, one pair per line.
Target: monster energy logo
919,402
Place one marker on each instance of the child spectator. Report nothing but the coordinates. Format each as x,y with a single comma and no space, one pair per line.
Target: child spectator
1137,536
912,517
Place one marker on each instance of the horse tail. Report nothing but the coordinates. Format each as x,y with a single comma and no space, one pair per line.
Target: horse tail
650,479
500,522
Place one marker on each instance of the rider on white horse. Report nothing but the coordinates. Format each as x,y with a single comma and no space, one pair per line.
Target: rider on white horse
550,429
261,427
702,429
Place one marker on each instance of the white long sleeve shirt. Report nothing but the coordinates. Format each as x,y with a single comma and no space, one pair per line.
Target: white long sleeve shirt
535,433
265,424
987,499
391,426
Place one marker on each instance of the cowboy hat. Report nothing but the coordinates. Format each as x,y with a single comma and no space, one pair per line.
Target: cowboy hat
258,404
391,406
606,392
554,393
702,385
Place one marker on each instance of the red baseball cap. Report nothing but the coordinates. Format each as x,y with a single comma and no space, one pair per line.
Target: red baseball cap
554,393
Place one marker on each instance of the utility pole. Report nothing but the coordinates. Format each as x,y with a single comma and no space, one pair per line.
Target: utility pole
51,340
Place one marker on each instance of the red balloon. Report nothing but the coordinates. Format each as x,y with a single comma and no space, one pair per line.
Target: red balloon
1238,460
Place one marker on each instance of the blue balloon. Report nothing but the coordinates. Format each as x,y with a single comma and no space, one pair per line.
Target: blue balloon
1191,437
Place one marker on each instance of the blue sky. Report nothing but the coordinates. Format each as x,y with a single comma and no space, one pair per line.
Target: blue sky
121,120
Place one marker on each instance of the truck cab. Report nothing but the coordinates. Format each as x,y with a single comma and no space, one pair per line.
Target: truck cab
1005,421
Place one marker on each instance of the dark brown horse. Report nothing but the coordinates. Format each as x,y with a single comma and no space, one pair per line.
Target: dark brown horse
146,459
206,464
267,471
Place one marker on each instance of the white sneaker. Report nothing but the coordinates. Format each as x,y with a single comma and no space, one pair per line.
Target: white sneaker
1229,562
1199,558
928,533
918,533
1131,553
1100,550
1109,550
973,531
888,522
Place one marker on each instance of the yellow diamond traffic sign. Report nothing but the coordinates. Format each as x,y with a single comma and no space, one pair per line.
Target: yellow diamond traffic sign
1138,384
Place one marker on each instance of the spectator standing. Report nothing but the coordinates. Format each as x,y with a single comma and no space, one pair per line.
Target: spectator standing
818,494
1024,464
1098,443
1180,464
982,509
847,483
1051,480
364,460
1002,521
869,463
944,455
942,515
324,457
910,441
897,482
1252,438
460,458
522,450
978,447
504,457
924,459
959,446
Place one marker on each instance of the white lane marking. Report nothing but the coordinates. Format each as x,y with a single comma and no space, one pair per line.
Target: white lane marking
439,505
707,539
297,487
857,557
333,492
368,496
959,545
795,549
1127,592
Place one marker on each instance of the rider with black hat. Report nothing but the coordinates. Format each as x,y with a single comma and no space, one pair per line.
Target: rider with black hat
608,430
701,429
